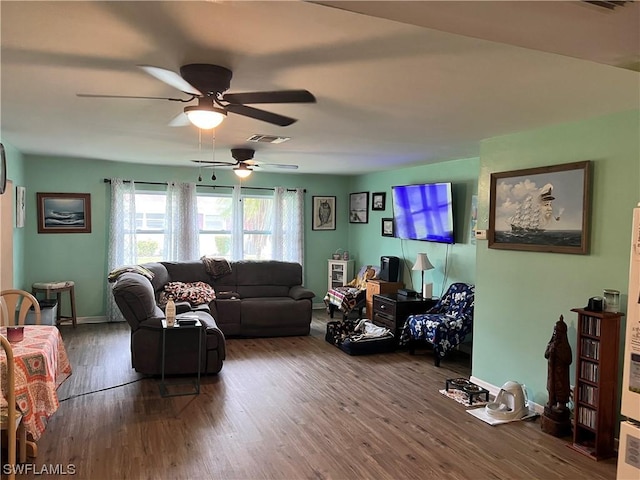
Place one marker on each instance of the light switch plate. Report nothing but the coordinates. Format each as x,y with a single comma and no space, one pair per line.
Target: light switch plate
481,234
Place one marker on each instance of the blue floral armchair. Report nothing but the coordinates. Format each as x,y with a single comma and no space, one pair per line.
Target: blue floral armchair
445,325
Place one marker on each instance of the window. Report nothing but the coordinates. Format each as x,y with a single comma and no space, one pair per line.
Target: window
215,225
215,215
150,211
257,214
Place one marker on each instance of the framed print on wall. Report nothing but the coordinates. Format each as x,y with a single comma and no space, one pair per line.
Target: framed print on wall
378,200
387,227
543,209
64,212
359,207
324,213
21,198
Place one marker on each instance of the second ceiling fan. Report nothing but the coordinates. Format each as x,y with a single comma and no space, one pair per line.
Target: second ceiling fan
244,163
207,83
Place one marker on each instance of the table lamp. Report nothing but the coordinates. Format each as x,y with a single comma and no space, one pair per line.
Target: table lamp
422,263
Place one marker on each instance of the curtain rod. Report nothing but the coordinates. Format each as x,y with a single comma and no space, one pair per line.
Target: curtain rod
108,180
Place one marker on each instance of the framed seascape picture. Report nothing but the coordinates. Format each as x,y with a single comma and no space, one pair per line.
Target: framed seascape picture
543,209
378,200
324,213
64,212
387,227
359,207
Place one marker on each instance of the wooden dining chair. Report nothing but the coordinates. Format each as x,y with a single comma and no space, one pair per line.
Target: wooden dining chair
10,416
4,313
14,299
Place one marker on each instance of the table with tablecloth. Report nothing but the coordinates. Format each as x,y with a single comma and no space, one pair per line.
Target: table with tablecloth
41,365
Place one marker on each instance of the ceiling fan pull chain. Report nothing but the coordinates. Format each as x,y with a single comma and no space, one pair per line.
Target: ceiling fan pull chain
199,150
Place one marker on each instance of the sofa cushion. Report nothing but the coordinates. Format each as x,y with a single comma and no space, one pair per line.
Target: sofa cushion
267,272
252,291
274,312
193,271
160,275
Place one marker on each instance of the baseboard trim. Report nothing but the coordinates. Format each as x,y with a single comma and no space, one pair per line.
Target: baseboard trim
97,319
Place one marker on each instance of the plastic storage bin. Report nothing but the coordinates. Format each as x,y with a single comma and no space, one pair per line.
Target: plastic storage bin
48,311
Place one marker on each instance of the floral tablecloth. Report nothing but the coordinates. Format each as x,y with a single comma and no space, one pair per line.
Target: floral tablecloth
41,365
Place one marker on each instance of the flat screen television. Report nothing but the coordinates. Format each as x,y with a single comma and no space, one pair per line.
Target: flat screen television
423,212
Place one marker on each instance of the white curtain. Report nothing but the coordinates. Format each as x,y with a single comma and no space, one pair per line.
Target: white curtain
288,225
181,240
122,235
237,224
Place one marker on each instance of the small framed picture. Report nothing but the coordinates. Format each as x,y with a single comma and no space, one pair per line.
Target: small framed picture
64,212
21,198
387,227
359,207
378,200
324,213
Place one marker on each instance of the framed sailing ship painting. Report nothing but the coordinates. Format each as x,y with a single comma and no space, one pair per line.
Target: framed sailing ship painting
543,209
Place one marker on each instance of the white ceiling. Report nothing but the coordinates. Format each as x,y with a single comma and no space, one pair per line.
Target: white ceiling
397,83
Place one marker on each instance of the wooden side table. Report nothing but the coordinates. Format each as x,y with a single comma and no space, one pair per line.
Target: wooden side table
58,288
377,287
391,310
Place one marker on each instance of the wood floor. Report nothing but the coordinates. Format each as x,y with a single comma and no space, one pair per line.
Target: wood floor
287,408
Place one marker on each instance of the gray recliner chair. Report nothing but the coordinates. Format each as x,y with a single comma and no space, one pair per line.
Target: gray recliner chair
134,295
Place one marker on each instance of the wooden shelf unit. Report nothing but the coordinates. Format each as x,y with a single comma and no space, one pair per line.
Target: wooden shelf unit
596,386
340,272
378,287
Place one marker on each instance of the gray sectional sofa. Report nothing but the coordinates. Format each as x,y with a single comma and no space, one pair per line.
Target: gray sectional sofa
254,298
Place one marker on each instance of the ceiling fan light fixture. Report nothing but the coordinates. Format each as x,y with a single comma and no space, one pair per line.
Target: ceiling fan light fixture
205,117
242,171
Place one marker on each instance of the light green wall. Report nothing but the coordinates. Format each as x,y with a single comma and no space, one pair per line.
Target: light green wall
15,173
83,257
520,295
367,244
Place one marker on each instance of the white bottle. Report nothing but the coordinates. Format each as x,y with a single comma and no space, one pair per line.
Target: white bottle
170,312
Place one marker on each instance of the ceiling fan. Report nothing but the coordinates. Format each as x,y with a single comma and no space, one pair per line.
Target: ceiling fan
207,83
244,163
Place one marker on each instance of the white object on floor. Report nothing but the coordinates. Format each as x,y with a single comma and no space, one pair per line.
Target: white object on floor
482,414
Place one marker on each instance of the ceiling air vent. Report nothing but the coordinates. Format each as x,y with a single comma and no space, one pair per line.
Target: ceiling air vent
267,139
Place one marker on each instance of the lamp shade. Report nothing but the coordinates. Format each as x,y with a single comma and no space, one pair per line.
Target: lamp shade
242,171
422,263
204,116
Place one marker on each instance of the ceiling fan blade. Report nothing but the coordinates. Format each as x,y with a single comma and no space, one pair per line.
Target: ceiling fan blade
281,96
171,78
276,165
92,95
180,120
263,115
211,163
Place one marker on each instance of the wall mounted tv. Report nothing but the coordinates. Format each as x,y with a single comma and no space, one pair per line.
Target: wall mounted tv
423,212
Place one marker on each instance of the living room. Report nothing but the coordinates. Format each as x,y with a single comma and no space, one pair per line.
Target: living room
520,294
